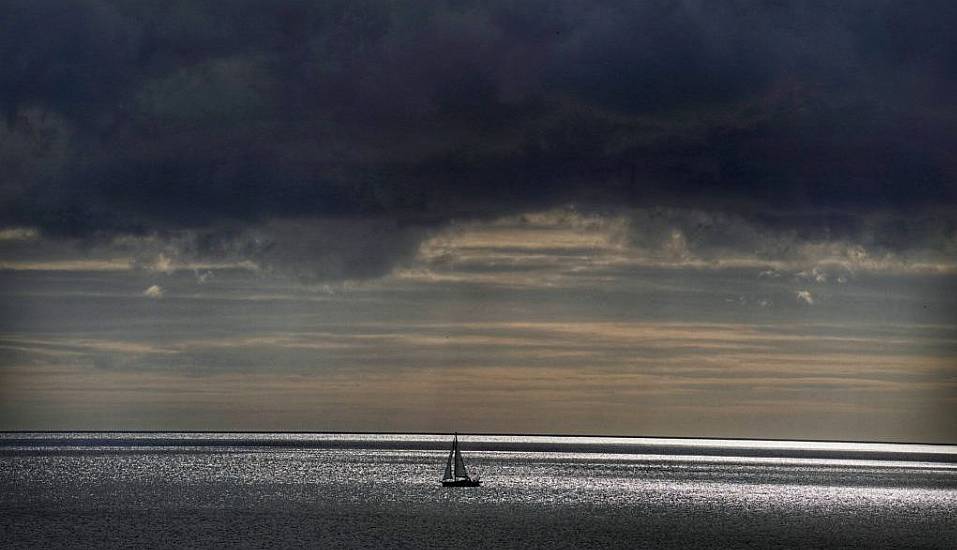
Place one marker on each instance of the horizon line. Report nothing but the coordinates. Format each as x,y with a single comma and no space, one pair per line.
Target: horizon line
512,434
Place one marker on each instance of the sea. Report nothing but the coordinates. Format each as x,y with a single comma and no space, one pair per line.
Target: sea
334,490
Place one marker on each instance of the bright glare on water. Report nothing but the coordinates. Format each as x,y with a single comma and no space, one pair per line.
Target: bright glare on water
109,491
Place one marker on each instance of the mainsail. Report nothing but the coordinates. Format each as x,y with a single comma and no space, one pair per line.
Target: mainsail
459,463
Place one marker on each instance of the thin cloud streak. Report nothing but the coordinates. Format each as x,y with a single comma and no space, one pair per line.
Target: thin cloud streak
406,399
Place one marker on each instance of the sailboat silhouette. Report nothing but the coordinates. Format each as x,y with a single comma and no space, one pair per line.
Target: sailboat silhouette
455,473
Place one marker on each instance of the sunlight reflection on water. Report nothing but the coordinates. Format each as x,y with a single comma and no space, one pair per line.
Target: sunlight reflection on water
305,495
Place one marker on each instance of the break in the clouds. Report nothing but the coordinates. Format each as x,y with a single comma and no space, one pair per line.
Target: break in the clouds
277,132
154,291
805,296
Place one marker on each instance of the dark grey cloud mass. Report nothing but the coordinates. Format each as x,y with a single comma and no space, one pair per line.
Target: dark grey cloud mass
371,123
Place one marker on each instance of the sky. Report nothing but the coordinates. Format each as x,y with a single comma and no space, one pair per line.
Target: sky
672,218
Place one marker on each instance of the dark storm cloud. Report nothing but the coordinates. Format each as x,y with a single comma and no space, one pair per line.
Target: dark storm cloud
388,119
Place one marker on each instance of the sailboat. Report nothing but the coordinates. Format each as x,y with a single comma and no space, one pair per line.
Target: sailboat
457,476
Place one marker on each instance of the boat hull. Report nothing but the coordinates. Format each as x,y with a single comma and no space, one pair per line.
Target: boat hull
461,483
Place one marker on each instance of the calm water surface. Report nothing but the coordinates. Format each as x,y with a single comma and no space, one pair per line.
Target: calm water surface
260,490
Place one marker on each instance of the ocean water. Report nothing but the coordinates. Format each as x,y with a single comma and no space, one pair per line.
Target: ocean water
178,490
